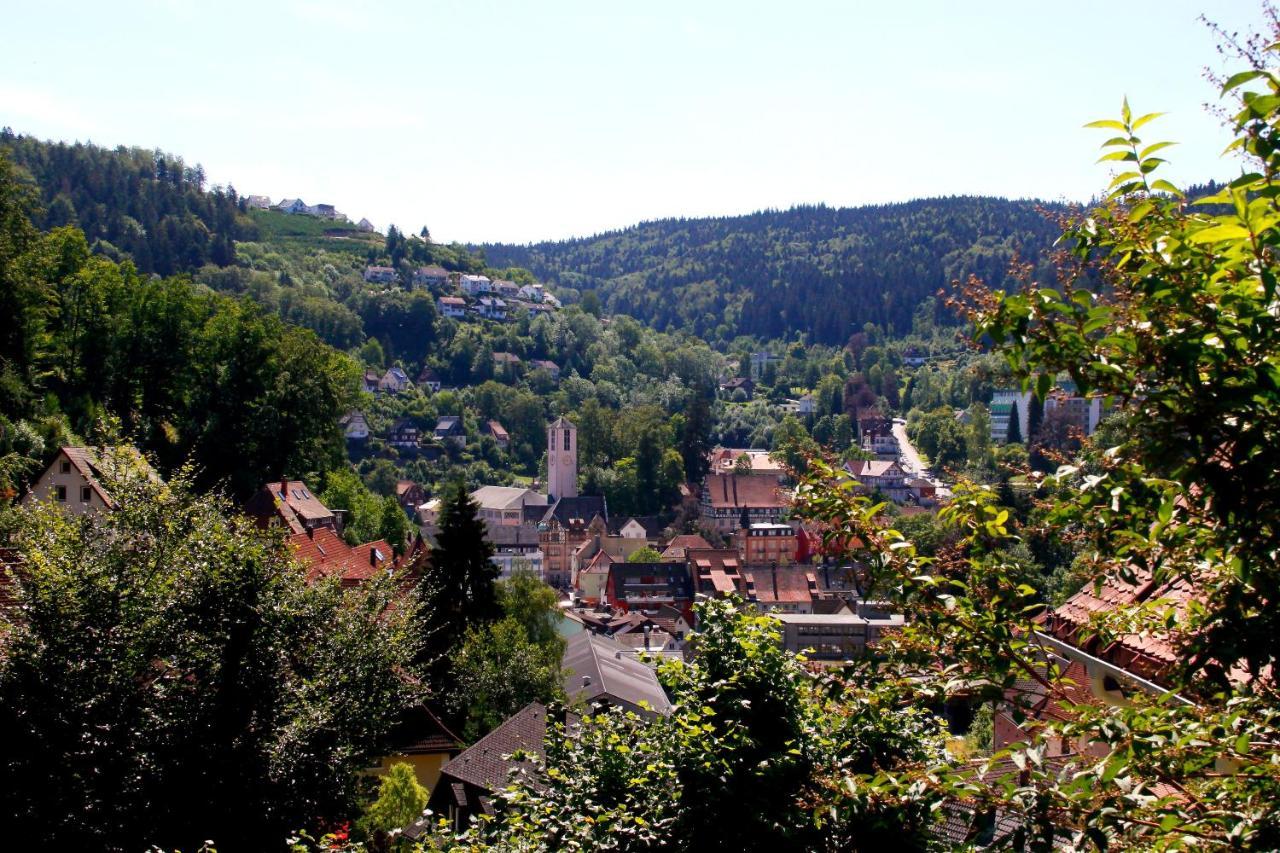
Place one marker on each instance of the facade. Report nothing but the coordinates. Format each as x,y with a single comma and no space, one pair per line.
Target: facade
514,546
836,636
404,434
355,427
450,428
431,276
452,306
559,540
760,361
1082,413
410,496
888,478
562,459
380,275
766,545
474,285
395,380
1003,405
72,480
429,379
291,503
649,586
550,366
726,497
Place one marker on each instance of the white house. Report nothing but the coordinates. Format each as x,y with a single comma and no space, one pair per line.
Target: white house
291,205
380,275
355,427
452,306
395,380
474,285
73,480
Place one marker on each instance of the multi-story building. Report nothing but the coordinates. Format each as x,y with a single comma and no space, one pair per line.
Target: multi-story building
766,544
728,498
1004,404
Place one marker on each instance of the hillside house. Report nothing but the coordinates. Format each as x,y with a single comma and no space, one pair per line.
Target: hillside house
410,496
429,379
549,366
532,292
291,504
498,433
491,308
729,390
395,380
371,380
727,497
434,277
380,275
291,205
452,306
450,428
324,211
474,285
506,362
74,479
258,202
355,428
404,434
648,586
505,289
365,225
760,361
886,477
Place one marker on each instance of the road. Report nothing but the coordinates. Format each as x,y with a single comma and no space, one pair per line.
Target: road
909,457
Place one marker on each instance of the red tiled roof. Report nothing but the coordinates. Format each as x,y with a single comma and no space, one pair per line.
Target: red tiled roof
679,545
733,491
795,586
324,554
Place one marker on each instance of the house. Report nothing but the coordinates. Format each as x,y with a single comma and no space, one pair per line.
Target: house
491,308
506,362
355,427
837,636
450,428
678,548
726,498
882,444
423,742
291,503
469,784
766,544
395,380
914,357
885,477
549,366
380,275
563,527
639,527
410,496
452,306
760,361
291,205
364,225
323,553
474,285
590,579
429,379
514,546
258,202
404,434
74,479
537,310
532,292
729,390
372,378
599,671
499,433
1081,413
324,211
782,590
504,505
505,289
648,586
803,406
432,276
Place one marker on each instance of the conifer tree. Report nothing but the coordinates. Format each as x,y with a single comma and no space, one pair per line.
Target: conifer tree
457,591
1015,428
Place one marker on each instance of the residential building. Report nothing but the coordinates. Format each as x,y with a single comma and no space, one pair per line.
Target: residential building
549,366
429,379
410,496
470,783
404,434
355,428
885,477
1082,413
450,428
532,292
395,380
74,479
291,205
506,364
258,202
883,444
724,460
505,289
435,277
324,211
1004,404
678,548
364,225
641,527
498,433
745,385
837,636
380,275
514,546
648,586
491,308
589,581
566,525
423,742
765,544
372,379
562,459
291,503
474,285
760,361
324,554
504,505
804,406
599,670
452,306
727,497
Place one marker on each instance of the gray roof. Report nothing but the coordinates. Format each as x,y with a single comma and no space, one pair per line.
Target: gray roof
598,669
585,507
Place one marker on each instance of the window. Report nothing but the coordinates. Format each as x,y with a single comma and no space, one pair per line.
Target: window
61,492
65,468
566,439
85,494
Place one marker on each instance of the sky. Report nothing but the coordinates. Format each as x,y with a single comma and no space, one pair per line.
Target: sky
524,121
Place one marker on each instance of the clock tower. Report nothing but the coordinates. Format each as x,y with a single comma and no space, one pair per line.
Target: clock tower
562,459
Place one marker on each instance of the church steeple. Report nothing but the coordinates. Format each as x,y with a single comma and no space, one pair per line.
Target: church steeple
562,459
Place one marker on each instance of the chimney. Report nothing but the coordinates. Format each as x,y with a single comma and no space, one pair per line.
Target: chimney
373,557
647,629
773,570
586,681
284,487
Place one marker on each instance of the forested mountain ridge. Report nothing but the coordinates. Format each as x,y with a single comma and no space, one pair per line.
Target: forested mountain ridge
815,269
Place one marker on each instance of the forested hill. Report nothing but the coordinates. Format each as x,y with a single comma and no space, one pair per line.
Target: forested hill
819,269
147,206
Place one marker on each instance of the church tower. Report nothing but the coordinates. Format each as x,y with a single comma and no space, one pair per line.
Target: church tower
562,459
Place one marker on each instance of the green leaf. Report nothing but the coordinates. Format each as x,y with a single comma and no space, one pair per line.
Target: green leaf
1146,118
1219,233
1153,148
1240,79
1118,155
1109,124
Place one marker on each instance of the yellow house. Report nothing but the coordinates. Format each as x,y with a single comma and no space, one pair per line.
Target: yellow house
73,479
425,744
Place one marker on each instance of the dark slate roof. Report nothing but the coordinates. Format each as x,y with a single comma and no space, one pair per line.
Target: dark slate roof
585,507
652,526
598,669
488,764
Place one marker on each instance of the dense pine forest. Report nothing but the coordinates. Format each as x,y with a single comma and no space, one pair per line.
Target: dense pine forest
822,270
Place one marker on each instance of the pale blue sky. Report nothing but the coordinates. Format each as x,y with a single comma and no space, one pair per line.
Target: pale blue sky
520,121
